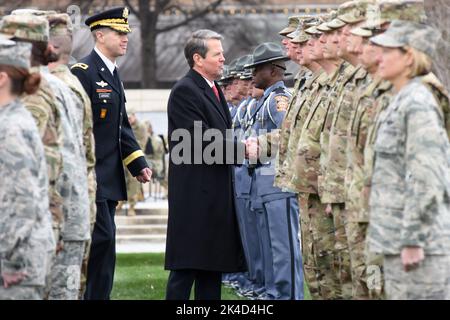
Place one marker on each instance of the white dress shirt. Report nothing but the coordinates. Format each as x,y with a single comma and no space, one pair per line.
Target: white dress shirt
109,64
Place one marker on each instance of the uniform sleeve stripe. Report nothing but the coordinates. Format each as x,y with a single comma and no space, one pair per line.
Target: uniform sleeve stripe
133,157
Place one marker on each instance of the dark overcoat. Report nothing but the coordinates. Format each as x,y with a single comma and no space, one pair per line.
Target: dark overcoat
202,232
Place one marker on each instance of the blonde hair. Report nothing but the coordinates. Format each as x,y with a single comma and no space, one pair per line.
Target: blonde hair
422,63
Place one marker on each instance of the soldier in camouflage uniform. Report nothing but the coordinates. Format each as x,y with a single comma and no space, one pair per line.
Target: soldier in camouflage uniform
332,186
134,187
43,108
410,194
26,238
72,184
367,272
61,39
318,251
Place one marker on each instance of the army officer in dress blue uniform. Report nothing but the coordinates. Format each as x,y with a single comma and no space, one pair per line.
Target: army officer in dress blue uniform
115,143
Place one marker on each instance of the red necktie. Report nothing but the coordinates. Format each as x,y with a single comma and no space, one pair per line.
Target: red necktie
216,92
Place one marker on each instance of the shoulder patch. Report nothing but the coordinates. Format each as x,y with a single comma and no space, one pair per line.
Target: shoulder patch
80,65
282,102
279,90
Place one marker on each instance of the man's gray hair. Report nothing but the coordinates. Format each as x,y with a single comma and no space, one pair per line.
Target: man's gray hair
197,44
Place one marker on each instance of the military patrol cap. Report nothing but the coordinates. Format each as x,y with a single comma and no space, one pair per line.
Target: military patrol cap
267,52
304,21
16,54
60,24
33,12
292,25
323,27
344,8
116,19
389,10
357,13
362,32
25,27
302,36
400,34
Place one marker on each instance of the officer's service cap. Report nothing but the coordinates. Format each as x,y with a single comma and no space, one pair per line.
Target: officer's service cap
116,19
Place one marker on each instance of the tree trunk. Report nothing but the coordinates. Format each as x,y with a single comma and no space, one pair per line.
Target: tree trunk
148,21
438,12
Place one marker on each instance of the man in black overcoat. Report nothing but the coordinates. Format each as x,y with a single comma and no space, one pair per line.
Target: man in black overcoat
203,238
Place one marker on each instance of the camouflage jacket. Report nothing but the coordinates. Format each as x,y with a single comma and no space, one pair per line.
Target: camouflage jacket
287,134
26,237
46,114
334,178
72,184
344,71
307,154
64,73
410,195
362,119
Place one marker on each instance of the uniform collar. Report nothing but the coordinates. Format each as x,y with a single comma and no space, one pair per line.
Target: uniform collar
109,64
272,87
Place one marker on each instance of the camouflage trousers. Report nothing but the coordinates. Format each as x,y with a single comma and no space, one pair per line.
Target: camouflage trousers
366,267
318,241
18,292
429,281
65,277
342,255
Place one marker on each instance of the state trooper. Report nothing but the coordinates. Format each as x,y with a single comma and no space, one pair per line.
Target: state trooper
318,243
26,238
278,210
333,187
115,143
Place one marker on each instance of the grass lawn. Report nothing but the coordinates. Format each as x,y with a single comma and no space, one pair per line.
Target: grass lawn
142,276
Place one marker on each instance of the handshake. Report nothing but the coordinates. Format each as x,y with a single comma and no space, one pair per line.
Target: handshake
251,149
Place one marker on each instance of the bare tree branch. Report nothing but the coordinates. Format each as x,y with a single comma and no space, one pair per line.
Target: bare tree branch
196,15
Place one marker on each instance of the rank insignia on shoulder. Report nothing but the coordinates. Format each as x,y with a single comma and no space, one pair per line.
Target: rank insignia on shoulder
80,65
101,84
282,103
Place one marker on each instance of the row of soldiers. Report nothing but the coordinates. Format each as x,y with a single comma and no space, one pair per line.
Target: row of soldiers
47,161
329,147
